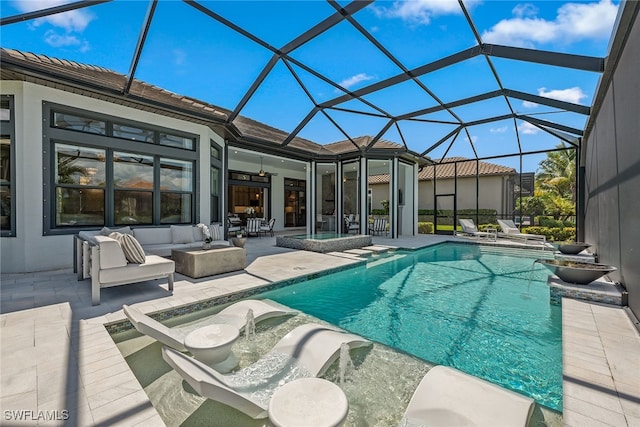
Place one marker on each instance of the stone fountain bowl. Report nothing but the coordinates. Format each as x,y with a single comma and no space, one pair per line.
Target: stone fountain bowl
572,248
579,273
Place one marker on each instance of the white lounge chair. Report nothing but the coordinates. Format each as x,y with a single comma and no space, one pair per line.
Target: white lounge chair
470,229
307,351
235,315
510,231
448,397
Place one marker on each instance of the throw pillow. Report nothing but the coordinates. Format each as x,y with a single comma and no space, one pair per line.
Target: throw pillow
106,230
132,249
216,232
182,234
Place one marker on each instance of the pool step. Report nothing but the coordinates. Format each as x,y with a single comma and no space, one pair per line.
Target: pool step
376,249
359,252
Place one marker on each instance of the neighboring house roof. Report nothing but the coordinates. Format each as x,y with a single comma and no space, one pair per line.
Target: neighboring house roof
102,83
466,168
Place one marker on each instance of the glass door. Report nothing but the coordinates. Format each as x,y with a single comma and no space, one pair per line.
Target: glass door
295,203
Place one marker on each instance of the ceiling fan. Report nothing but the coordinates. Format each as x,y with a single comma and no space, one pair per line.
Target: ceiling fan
262,171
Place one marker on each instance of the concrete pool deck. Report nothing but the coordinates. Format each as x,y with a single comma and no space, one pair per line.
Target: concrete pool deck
58,362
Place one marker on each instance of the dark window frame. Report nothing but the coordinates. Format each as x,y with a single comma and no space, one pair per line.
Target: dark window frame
53,135
8,128
216,163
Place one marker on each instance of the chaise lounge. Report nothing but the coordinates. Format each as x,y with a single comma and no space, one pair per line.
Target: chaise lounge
234,315
305,352
449,397
470,229
510,231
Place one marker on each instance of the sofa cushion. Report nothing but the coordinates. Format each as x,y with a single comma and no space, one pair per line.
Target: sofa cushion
132,249
111,254
153,236
216,232
182,234
154,267
106,230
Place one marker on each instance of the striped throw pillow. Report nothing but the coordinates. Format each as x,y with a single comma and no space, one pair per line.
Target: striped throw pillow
216,232
132,249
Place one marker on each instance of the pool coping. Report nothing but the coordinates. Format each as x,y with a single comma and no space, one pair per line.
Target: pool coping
41,344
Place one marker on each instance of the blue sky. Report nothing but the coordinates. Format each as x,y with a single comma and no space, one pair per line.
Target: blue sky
189,53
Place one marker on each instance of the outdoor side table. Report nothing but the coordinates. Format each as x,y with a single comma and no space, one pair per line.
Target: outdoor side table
212,345
494,232
311,402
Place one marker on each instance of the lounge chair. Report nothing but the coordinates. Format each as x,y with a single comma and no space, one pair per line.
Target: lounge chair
305,352
510,231
235,315
448,397
470,229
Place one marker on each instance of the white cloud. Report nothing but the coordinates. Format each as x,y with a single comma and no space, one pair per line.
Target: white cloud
59,40
501,129
421,11
474,138
573,94
353,80
574,21
179,56
72,21
527,128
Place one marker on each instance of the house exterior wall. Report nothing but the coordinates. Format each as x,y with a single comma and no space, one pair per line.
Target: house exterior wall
494,192
612,172
30,250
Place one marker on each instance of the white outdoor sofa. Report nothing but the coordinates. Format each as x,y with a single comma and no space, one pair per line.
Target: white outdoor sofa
154,240
109,267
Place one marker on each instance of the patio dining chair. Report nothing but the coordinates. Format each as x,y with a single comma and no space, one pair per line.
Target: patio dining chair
378,226
253,226
268,227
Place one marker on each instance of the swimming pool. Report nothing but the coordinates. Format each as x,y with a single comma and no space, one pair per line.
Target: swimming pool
483,310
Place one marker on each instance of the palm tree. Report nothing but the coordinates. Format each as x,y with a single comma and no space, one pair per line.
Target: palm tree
556,181
558,173
67,168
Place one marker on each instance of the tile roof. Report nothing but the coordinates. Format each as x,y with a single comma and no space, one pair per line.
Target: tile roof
102,83
466,168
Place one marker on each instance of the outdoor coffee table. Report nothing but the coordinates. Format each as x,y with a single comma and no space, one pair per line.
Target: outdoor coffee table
208,262
212,345
308,402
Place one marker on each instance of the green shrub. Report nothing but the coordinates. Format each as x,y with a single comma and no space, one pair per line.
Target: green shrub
425,228
553,234
485,227
378,212
545,221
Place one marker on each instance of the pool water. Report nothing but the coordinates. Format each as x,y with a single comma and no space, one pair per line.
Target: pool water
480,309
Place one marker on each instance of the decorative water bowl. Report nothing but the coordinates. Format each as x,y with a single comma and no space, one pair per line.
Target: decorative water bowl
572,248
579,273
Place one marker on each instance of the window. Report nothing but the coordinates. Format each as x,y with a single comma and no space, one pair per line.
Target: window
116,178
7,173
79,123
79,189
176,191
216,181
132,133
133,188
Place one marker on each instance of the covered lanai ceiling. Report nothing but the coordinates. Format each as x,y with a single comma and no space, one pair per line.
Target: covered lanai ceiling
439,78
